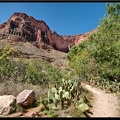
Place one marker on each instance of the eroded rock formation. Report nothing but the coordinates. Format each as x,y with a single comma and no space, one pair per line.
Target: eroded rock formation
27,28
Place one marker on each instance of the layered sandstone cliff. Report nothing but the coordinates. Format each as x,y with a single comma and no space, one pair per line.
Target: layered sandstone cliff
28,28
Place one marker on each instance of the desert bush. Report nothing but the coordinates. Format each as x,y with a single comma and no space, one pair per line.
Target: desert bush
6,67
97,59
45,73
34,71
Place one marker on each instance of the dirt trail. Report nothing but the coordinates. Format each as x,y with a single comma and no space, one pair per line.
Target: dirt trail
104,104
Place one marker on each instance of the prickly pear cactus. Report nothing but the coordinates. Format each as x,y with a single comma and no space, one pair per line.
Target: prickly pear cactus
68,90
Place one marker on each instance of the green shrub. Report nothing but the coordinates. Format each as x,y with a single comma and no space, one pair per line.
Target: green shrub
98,58
6,67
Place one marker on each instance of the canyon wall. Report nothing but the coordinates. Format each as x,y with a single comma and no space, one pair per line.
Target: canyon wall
30,29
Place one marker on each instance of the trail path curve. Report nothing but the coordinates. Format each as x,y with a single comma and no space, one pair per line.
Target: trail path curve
104,104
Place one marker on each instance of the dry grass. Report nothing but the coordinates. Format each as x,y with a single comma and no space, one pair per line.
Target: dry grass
11,88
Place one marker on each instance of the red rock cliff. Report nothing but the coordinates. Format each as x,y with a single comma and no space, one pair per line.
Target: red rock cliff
36,30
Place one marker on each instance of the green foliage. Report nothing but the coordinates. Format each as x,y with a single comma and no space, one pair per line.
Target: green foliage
98,58
44,73
19,72
72,52
68,93
32,71
64,94
6,67
83,107
48,109
54,74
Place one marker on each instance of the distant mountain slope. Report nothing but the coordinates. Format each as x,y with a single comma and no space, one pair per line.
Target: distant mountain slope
21,27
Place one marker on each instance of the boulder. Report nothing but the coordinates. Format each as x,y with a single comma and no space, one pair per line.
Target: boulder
7,104
25,98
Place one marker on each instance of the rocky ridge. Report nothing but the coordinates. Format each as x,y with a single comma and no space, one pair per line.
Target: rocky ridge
21,27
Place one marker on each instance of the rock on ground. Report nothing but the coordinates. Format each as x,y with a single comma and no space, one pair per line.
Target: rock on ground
26,98
7,104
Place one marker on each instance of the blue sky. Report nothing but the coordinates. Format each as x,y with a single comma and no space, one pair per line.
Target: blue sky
66,18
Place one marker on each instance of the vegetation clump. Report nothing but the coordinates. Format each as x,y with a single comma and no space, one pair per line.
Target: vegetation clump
97,59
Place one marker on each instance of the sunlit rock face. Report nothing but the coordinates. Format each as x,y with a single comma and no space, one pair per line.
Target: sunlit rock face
30,29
